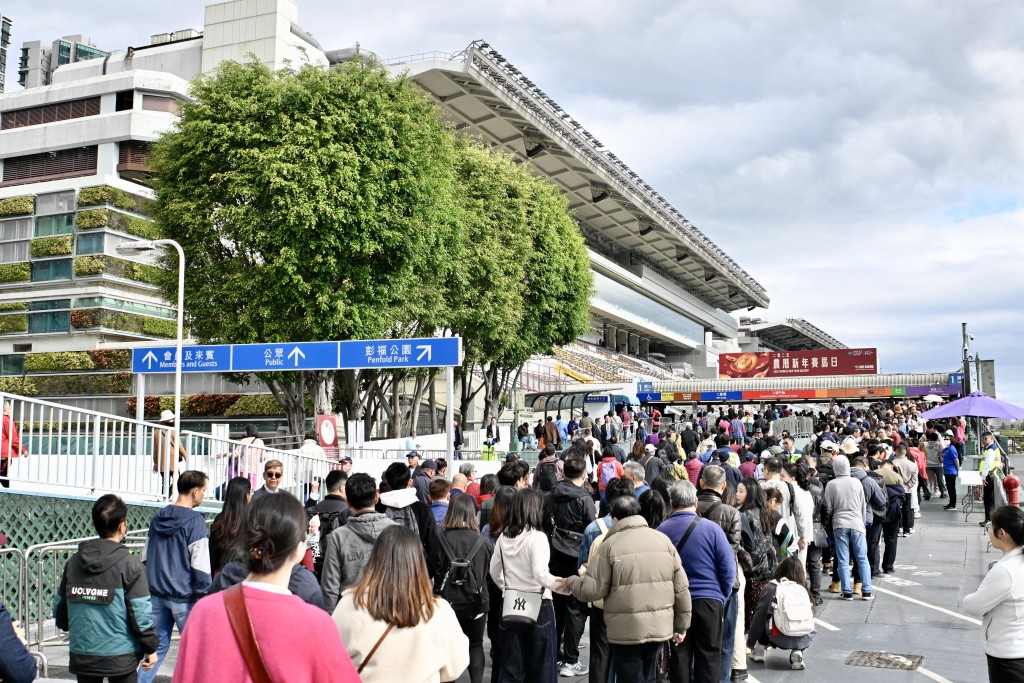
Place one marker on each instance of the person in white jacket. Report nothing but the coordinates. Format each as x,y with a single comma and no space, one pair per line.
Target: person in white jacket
999,599
392,624
520,562
794,509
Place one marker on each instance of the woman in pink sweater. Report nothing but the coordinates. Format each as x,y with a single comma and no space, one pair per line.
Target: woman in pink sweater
298,642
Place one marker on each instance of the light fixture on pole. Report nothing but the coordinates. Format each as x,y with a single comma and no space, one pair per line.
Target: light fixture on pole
138,247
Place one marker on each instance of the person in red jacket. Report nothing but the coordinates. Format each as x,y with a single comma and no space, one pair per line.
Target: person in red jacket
10,445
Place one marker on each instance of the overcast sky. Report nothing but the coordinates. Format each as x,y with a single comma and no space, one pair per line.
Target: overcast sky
863,161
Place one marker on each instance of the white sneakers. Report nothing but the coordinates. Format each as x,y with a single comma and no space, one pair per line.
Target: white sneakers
796,660
571,670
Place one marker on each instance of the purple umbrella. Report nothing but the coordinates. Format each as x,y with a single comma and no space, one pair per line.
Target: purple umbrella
977,404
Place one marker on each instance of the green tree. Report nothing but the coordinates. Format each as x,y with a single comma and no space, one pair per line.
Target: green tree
311,205
524,283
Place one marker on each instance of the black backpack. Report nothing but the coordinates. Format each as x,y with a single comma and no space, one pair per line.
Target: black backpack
329,521
547,476
461,587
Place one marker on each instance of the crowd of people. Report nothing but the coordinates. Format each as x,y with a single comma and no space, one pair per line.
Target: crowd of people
692,549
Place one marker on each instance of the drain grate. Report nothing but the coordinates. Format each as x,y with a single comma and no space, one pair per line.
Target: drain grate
884,660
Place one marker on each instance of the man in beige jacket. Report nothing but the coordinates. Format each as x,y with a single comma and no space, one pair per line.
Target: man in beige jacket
638,574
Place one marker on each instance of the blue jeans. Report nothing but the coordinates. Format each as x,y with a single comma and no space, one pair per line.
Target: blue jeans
166,615
529,653
852,541
729,634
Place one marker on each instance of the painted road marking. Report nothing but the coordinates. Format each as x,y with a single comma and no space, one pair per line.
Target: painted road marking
826,625
925,604
934,676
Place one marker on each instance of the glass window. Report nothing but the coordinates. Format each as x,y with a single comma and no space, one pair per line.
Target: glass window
124,100
610,294
18,229
58,202
90,244
50,305
122,305
56,269
12,365
14,252
57,321
61,224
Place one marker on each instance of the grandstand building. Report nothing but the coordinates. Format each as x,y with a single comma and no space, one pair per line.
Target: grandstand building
664,291
791,334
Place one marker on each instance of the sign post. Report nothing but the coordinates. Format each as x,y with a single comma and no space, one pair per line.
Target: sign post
364,354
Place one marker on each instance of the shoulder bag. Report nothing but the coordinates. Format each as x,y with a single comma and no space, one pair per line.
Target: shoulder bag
374,649
518,608
241,625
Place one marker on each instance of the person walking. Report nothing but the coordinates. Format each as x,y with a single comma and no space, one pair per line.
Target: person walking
167,452
950,471
710,566
237,633
638,573
990,462
567,513
933,456
10,445
391,622
756,528
273,472
459,570
520,563
844,503
103,602
225,528
999,599
177,559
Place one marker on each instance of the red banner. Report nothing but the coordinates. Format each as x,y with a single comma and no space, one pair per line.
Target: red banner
327,435
820,362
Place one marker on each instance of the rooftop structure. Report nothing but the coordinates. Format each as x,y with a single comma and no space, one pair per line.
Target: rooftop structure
39,60
790,334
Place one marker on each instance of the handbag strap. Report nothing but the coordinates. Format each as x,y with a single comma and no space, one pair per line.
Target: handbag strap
241,624
375,646
682,541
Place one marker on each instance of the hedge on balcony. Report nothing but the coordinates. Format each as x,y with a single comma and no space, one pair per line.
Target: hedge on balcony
58,361
110,265
104,194
15,272
91,384
260,404
17,206
123,321
15,306
18,385
50,246
17,322
99,218
196,405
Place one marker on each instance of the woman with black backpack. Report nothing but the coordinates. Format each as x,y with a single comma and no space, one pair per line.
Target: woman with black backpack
757,528
458,566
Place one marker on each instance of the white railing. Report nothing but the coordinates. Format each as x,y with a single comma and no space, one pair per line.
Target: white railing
71,450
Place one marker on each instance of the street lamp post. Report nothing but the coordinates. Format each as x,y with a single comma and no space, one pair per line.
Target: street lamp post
150,245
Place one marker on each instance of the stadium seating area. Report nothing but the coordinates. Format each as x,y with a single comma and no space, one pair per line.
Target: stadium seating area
601,365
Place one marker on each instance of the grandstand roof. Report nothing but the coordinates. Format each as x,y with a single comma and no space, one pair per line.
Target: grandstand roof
791,334
487,96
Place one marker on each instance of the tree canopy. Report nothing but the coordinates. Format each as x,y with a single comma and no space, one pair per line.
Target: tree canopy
319,204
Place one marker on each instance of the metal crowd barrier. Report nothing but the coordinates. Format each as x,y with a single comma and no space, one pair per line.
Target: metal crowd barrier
13,590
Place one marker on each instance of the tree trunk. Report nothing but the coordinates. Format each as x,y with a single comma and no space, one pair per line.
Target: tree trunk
432,404
291,396
321,390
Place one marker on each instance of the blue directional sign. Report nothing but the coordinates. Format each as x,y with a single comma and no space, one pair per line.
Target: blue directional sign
432,352
376,354
645,387
721,395
956,378
277,357
210,358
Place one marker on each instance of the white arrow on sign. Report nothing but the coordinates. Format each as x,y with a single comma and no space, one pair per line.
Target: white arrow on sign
296,353
149,359
425,352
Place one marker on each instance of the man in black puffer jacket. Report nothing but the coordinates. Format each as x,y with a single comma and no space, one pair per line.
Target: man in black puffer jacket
567,512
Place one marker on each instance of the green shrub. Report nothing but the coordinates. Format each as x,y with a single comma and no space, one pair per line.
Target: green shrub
58,361
89,384
15,272
98,218
117,267
159,327
111,359
131,322
81,319
17,322
104,194
92,218
90,265
16,306
255,404
17,206
50,246
18,385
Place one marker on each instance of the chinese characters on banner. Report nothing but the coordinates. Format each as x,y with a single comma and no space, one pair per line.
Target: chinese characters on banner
820,362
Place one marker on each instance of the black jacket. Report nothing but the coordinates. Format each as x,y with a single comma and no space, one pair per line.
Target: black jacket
690,439
302,582
567,512
103,600
330,503
461,541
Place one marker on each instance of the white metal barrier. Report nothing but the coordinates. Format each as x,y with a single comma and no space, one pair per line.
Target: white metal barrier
53,448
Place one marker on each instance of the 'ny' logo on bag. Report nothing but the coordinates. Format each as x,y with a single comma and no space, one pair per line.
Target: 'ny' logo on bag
520,604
